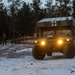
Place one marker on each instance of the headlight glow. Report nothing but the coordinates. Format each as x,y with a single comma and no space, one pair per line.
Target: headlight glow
60,41
43,43
68,39
35,41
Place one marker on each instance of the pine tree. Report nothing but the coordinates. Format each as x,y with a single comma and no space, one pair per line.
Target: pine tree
3,20
14,8
49,8
65,9
24,18
74,8
36,8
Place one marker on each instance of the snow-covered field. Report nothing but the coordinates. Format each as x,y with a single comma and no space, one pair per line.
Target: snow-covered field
17,60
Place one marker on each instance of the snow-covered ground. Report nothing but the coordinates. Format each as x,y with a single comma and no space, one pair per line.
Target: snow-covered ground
17,60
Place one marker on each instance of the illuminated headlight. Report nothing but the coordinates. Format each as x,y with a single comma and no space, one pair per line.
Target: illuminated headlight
60,41
68,39
35,41
43,43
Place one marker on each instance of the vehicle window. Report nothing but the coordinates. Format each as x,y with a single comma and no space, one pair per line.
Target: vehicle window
48,33
63,33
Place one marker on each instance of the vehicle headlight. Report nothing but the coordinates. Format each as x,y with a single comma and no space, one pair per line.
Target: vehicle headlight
60,41
67,39
35,41
43,43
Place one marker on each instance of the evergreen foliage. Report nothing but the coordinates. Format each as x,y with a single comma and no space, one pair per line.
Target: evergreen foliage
21,17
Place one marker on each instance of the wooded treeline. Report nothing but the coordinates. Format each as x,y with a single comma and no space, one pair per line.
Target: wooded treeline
20,18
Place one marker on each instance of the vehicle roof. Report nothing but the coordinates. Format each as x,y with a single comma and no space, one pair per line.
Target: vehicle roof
56,19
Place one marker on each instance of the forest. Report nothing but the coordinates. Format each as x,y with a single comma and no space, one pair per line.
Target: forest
19,18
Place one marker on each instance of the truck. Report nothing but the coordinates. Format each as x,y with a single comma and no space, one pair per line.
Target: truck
54,35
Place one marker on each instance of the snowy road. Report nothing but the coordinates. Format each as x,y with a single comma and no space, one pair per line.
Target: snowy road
12,62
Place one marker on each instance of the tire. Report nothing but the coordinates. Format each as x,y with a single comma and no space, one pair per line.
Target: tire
49,53
68,51
38,53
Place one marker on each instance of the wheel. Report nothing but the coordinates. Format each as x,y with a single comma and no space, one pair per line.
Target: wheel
68,51
49,53
38,53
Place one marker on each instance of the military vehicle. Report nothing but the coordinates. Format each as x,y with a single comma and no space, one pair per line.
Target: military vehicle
54,35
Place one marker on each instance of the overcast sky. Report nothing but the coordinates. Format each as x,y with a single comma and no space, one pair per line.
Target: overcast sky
43,1
31,1
28,1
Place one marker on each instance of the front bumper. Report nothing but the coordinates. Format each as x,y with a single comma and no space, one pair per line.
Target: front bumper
53,45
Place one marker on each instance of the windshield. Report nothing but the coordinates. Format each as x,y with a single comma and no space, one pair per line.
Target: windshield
64,33
48,33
